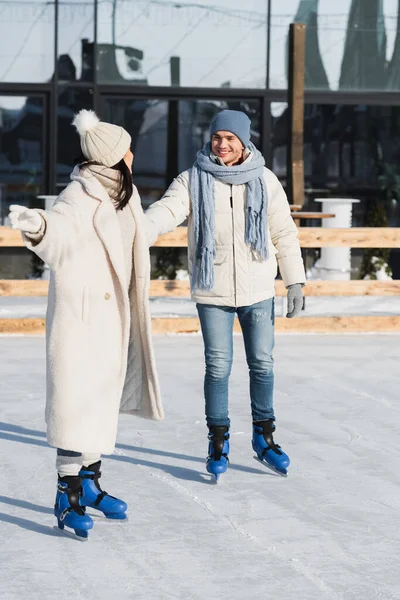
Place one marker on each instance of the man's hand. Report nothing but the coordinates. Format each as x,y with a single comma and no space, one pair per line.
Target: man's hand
294,300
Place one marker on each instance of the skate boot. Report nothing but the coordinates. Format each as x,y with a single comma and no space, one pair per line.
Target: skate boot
266,449
94,497
68,509
218,450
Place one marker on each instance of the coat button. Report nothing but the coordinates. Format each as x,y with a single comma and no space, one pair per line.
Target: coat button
107,296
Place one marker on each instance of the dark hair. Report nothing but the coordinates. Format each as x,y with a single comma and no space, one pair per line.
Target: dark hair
126,184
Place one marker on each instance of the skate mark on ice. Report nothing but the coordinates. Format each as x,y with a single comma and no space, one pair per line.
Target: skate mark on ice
335,490
354,436
181,489
362,394
294,563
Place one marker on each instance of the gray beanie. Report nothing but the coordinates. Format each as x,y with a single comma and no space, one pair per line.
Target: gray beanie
235,121
101,142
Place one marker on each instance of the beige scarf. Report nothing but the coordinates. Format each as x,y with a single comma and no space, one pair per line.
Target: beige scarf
109,179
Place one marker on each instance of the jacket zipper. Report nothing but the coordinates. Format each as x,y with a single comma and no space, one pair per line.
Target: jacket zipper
233,246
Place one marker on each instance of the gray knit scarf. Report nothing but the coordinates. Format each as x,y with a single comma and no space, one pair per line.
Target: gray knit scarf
202,191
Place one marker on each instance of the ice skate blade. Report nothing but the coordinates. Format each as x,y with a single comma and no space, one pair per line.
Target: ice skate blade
271,468
100,516
214,478
71,534
117,517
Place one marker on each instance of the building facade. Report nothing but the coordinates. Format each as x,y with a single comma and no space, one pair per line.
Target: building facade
163,68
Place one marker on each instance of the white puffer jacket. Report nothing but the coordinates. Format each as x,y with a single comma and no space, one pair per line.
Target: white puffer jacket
240,279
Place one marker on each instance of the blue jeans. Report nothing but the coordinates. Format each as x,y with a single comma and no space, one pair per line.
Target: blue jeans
257,323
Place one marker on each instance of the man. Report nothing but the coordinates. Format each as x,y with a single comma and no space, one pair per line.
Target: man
239,228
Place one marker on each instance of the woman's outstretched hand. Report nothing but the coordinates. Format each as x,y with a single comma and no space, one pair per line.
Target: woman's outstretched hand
25,219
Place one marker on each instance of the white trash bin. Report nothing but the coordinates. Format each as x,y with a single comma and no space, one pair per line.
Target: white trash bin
335,263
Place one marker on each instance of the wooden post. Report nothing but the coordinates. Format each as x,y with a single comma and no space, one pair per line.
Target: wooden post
296,76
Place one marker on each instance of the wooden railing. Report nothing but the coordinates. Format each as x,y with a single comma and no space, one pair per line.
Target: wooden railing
310,237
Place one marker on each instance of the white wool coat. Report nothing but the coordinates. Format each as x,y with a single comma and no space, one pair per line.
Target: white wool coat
99,350
240,278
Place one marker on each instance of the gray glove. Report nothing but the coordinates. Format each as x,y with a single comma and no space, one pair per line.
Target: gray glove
294,300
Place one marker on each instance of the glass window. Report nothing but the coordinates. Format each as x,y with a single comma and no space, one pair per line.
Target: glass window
27,41
147,123
70,101
75,40
21,151
350,44
215,43
350,151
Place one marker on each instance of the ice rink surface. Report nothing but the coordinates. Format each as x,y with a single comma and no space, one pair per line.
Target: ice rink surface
319,306
330,530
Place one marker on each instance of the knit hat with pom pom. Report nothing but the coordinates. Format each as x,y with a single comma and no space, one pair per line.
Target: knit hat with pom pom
101,142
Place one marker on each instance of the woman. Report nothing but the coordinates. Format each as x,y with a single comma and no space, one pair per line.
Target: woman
239,227
99,351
